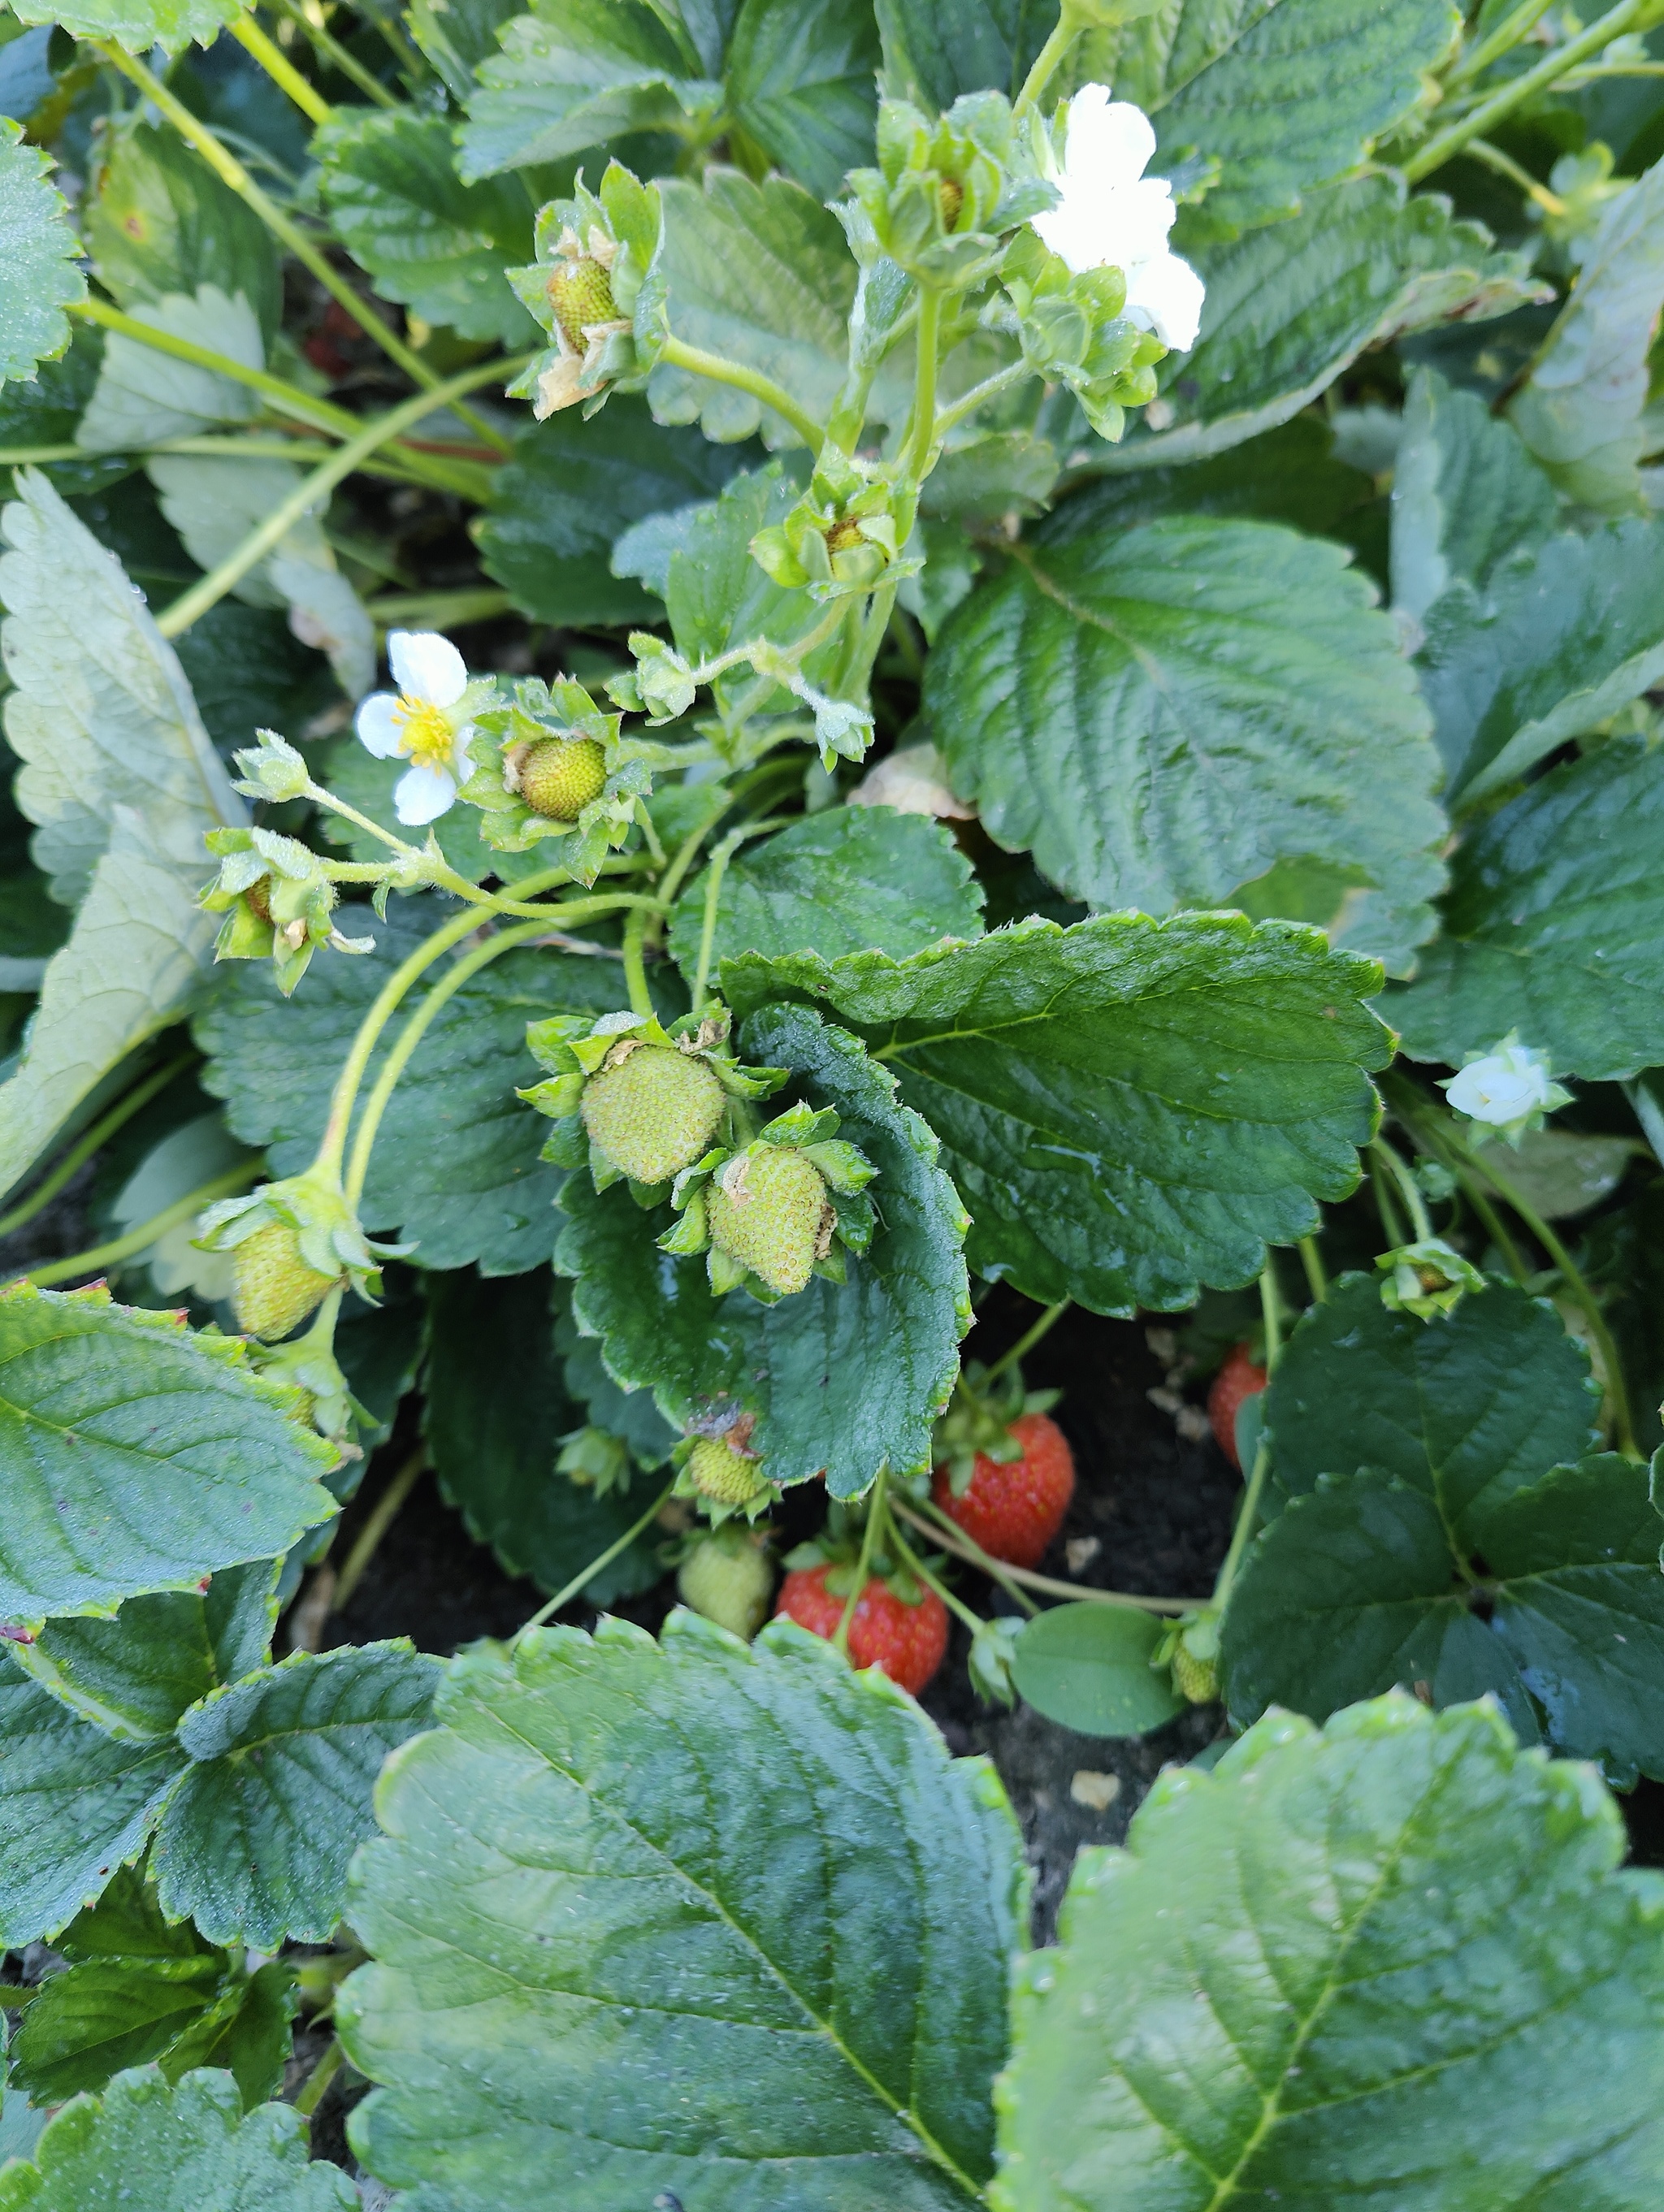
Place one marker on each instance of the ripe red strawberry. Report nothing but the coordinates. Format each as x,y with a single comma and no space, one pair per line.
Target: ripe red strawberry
909,1641
1239,1379
1014,1508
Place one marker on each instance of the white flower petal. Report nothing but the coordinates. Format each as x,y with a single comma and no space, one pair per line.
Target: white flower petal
1166,295
378,732
1108,145
423,795
427,666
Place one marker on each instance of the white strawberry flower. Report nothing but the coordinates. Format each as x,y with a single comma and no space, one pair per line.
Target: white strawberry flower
427,722
1508,1088
1111,215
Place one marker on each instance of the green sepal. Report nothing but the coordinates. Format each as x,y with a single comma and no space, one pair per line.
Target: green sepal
326,1230
298,897
622,230
1072,332
690,1233
978,164
1426,1278
536,712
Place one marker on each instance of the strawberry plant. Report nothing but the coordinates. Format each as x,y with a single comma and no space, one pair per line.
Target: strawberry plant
832,1105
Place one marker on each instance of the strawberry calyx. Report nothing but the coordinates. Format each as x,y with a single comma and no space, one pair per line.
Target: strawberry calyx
978,1422
771,1213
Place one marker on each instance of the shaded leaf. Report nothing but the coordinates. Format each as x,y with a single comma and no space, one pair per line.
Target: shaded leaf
1395,1962
1087,1668
143,396
1466,495
457,35
254,1840
161,221
852,879
840,1996
1162,714
144,2146
800,82
1560,1172
1130,1109
137,1455
39,277
1553,926
400,207
46,411
935,50
841,1378
494,1449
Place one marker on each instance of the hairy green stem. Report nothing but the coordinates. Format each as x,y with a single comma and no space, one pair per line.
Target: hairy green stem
961,1545
916,455
309,493
719,860
1380,1186
1421,1221
1247,1519
386,1509
310,2094
330,50
1477,123
876,1518
921,1573
136,1240
979,396
712,365
105,1128
580,1582
280,70
1506,36
931,1521
1505,166
1026,1343
1050,59
231,172
1312,1259
634,967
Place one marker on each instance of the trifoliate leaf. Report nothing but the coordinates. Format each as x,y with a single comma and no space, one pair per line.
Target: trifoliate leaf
161,221
494,1449
1240,84
144,2146
254,1840
39,277
425,238
1087,1668
1564,638
73,1804
1553,926
137,1455
1162,714
761,274
840,1994
1289,308
852,879
1466,495
573,74
134,1675
801,80
1581,409
123,780
1130,1109
455,1169
1550,1599
842,1378
1394,1963
1467,1408
571,489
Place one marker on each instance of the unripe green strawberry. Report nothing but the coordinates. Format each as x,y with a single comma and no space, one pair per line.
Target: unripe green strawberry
273,1287
560,776
1195,1679
653,1113
723,1475
581,294
728,1578
766,1209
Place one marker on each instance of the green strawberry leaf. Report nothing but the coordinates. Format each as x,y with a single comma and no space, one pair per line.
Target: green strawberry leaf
137,1455
852,879
1561,641
935,50
145,2146
1550,1599
839,2003
455,1169
1225,80
143,396
1542,938
1466,1408
1130,1109
1087,1668
573,74
1392,1963
161,221
1290,475
398,205
47,411
800,82
135,1675
1164,713
494,1449
842,1378
563,501
761,275
1290,307
74,1804
630,1415
457,35
1466,495
1560,1173
39,277
1581,410
254,1840
122,780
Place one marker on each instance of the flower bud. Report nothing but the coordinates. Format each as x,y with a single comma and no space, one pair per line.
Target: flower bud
1426,1278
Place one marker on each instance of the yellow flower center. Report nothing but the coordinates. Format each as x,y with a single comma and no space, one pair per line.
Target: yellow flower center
425,735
